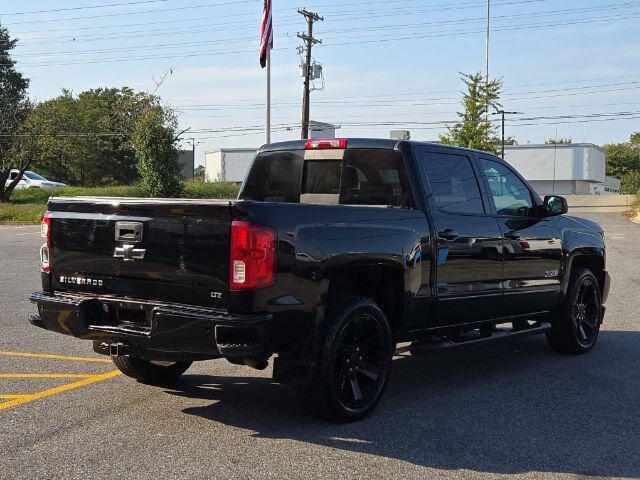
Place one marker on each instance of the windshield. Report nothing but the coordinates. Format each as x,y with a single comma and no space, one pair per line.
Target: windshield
336,177
33,176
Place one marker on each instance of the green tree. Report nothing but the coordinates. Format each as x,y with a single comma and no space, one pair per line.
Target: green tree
623,158
630,184
86,139
474,129
14,109
559,141
154,140
198,173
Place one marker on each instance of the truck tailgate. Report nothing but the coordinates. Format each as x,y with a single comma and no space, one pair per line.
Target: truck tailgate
168,250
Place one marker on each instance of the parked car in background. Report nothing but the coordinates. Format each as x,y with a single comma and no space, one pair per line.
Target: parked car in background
32,180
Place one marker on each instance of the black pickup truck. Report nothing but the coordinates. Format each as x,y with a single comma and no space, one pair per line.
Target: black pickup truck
334,252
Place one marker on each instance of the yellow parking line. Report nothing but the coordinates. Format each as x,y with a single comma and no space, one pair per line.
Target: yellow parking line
55,357
46,375
60,389
12,396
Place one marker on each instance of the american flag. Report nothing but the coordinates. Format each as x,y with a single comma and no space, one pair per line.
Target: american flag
266,33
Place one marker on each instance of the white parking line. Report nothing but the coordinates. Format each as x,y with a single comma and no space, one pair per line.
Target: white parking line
18,227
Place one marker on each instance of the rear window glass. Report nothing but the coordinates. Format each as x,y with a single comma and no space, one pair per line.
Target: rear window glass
322,176
363,177
275,177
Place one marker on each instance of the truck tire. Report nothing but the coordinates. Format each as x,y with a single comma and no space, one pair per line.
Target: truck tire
153,373
576,324
353,364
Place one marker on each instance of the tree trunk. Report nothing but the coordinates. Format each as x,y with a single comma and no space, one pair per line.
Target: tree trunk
6,191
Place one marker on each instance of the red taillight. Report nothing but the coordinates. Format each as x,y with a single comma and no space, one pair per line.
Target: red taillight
323,143
252,263
45,231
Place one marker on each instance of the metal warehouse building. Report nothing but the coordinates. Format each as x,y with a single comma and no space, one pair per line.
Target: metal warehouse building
563,169
228,164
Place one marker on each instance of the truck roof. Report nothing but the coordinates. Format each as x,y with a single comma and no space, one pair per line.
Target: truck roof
381,143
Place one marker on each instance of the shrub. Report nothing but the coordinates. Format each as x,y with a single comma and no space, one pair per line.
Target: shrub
157,156
630,184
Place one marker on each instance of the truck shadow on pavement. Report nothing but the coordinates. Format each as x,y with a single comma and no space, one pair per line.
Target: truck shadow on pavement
505,408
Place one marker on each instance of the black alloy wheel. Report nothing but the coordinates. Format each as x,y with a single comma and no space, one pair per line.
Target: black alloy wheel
353,362
586,312
576,325
361,363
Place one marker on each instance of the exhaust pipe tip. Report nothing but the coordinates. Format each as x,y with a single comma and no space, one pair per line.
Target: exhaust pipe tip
117,350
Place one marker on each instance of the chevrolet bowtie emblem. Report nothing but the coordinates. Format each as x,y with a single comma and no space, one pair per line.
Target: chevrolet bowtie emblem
128,253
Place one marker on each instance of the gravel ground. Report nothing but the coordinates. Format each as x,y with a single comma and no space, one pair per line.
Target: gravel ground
513,409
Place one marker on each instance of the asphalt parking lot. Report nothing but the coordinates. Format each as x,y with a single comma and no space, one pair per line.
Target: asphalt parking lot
514,409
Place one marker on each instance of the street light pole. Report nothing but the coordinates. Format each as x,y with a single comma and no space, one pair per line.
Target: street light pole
502,113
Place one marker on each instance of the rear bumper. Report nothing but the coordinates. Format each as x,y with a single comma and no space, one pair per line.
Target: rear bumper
152,330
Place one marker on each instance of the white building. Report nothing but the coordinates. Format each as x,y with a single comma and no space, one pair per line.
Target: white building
563,169
322,130
227,164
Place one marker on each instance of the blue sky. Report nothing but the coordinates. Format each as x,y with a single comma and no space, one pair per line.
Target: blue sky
387,65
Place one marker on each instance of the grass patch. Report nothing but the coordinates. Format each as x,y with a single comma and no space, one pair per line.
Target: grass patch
193,189
16,213
41,195
28,206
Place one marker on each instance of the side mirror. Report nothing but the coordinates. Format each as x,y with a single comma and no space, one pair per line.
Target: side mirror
555,205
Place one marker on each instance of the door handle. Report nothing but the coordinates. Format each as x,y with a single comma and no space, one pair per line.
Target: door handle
512,235
448,234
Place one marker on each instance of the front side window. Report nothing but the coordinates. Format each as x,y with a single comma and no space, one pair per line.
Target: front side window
510,195
453,183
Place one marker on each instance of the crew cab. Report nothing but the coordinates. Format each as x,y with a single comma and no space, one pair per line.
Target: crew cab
335,252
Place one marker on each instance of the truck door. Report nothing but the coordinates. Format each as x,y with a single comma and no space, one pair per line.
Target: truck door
532,246
468,271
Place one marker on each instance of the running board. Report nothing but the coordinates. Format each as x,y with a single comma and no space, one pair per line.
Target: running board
498,334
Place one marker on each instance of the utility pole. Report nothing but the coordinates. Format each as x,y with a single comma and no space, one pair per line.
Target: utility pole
486,52
309,41
503,113
193,150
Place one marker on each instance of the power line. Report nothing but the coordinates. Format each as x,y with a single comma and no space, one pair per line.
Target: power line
447,7
457,22
88,7
353,42
139,12
342,100
530,121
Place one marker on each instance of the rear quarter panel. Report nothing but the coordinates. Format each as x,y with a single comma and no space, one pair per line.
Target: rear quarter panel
314,241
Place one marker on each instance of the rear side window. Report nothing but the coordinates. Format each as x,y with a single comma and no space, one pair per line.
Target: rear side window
375,177
453,183
361,177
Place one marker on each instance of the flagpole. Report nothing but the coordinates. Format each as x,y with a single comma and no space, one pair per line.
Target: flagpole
268,119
